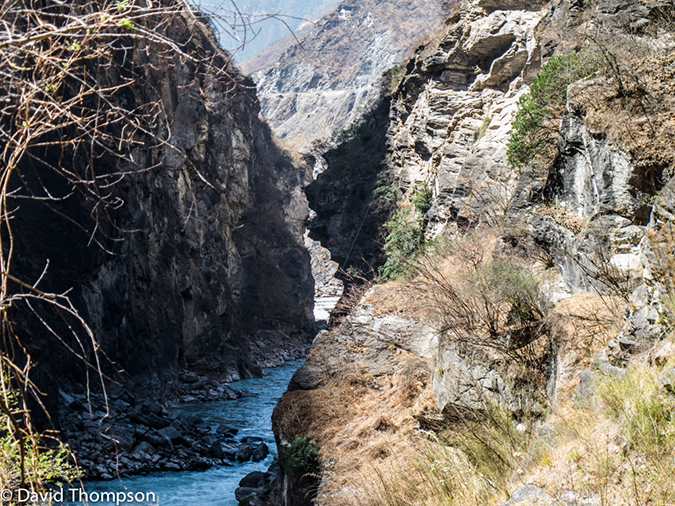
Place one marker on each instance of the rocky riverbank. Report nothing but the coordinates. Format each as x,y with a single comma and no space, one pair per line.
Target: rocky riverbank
129,436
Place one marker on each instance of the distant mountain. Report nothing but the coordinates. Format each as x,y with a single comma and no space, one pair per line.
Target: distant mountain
262,27
322,85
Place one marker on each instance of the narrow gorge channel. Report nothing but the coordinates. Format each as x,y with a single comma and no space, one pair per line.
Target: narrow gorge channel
420,253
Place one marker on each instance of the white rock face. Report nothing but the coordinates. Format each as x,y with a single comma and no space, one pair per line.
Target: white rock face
450,128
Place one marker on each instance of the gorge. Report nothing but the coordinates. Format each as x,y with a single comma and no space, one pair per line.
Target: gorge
493,180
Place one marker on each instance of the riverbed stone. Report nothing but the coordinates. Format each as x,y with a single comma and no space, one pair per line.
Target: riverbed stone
245,452
253,479
244,492
143,447
151,406
217,451
226,430
230,452
172,434
260,453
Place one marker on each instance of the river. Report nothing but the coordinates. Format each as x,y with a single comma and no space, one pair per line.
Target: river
216,486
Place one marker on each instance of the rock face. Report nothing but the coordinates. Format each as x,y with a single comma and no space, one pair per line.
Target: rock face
367,341
451,115
214,277
599,207
327,82
602,213
346,214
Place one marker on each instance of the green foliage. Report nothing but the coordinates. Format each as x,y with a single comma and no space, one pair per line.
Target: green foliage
478,134
303,456
386,191
508,291
42,465
403,242
405,233
39,464
74,46
535,127
422,199
395,76
126,23
359,129
516,285
249,81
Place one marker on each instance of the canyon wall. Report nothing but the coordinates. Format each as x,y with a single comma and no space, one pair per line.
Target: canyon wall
201,265
593,224
331,78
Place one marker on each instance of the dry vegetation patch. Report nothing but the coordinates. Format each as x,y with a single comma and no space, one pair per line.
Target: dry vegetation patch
617,447
361,422
585,325
634,106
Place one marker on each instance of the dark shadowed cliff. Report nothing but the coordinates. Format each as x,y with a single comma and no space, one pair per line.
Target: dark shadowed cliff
199,263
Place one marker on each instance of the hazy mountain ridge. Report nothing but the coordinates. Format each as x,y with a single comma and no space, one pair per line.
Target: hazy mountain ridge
322,86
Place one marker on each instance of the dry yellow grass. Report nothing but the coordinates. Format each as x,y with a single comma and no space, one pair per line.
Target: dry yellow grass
360,422
585,325
618,448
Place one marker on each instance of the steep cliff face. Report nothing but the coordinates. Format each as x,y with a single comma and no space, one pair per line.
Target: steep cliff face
451,115
328,81
593,225
202,265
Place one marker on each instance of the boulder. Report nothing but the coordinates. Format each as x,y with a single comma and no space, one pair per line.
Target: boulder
144,447
253,480
245,452
226,430
124,440
230,452
260,453
667,380
244,492
528,495
189,377
173,435
663,352
153,407
217,451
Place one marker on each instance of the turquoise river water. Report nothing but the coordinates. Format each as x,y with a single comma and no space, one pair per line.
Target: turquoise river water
216,486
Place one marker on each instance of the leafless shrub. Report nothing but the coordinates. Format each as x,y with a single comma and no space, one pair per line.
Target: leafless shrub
488,304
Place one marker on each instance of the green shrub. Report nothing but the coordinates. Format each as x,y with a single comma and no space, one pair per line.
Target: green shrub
24,459
509,289
422,199
403,242
405,231
387,192
303,456
395,76
535,128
